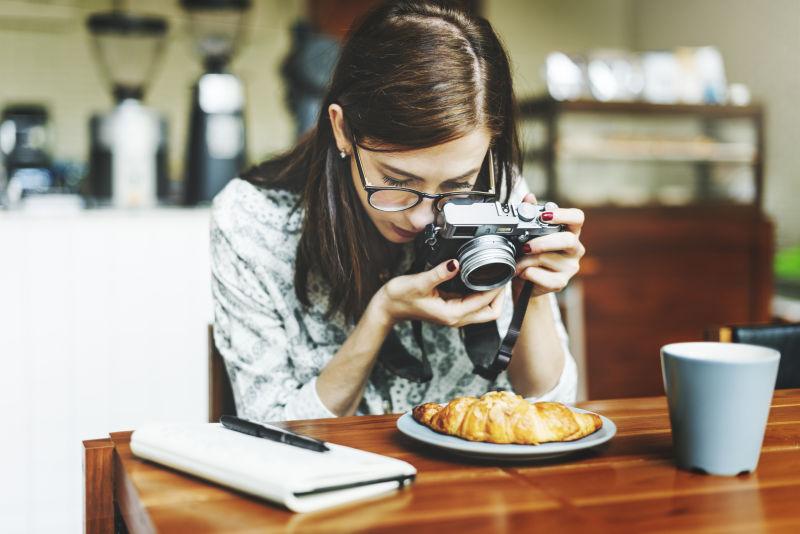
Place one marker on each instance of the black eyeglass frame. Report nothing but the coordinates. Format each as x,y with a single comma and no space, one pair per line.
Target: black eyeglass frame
436,197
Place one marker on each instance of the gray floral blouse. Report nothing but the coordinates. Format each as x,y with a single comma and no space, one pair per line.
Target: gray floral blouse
274,347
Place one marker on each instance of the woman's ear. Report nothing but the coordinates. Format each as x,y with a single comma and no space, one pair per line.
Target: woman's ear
336,116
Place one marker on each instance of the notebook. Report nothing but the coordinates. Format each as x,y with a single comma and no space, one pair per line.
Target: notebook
299,479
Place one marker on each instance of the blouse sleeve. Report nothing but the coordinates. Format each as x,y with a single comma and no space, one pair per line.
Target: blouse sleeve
252,338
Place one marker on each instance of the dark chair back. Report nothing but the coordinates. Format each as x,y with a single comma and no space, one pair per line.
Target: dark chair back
785,338
220,394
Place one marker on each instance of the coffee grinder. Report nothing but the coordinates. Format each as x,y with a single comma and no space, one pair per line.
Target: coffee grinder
128,153
25,143
216,137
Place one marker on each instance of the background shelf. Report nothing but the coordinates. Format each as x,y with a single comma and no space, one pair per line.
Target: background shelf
675,236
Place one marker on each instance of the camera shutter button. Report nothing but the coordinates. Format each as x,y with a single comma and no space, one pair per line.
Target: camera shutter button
527,212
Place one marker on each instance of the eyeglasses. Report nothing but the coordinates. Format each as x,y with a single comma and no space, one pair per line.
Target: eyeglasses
402,198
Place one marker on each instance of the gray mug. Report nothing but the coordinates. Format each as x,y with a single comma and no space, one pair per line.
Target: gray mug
719,396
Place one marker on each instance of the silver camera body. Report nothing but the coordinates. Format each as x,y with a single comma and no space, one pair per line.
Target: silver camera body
485,237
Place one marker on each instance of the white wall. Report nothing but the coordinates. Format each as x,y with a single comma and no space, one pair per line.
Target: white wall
760,41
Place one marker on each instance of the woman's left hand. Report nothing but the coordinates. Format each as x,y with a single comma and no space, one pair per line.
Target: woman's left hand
550,261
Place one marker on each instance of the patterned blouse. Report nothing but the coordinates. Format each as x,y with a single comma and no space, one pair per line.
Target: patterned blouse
274,347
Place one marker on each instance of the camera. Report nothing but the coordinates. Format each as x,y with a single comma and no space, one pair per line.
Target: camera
485,237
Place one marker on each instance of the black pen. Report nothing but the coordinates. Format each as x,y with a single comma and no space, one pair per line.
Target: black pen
272,433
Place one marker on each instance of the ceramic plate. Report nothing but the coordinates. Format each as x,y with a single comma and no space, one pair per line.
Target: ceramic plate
496,451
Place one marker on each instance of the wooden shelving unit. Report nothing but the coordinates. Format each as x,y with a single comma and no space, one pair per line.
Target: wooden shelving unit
703,150
654,273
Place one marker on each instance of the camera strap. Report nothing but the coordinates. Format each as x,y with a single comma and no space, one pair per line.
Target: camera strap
397,360
394,356
489,355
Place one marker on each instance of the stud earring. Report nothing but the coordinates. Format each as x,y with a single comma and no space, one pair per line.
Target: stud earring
342,154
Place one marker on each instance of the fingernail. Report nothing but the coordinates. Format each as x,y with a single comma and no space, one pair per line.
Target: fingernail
526,248
547,216
451,265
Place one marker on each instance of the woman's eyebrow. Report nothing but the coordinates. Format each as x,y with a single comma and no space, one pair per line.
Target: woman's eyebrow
405,174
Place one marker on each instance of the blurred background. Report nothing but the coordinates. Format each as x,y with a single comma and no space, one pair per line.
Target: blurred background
672,124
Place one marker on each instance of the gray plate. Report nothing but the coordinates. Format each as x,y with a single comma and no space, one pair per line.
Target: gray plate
497,451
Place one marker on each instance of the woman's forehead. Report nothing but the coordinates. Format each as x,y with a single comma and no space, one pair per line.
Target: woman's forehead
440,162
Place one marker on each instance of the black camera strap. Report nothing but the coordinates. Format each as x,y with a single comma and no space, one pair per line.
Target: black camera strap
489,355
397,360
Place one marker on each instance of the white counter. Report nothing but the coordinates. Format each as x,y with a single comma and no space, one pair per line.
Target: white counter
103,318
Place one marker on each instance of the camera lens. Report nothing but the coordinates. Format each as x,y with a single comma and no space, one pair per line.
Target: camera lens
486,262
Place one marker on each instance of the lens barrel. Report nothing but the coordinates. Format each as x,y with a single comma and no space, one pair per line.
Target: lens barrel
487,262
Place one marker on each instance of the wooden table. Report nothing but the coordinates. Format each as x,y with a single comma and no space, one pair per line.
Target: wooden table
628,485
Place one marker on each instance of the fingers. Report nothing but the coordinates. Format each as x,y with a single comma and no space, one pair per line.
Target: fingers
474,301
456,311
487,313
572,218
566,242
546,281
439,274
409,287
552,261
473,308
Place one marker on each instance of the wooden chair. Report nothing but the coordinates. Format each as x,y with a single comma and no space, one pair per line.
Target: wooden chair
784,337
220,394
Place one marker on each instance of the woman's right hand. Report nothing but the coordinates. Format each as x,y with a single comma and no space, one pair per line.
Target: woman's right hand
416,296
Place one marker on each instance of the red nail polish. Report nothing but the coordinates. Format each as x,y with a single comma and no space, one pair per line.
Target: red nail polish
451,265
526,248
547,216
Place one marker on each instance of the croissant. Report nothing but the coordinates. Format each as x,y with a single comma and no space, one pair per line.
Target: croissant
503,417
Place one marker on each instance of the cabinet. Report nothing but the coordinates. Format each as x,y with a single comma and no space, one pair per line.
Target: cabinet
103,320
676,238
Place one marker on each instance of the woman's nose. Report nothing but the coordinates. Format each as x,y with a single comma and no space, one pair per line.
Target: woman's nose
422,214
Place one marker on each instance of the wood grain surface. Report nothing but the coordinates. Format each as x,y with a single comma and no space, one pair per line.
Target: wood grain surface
628,485
98,458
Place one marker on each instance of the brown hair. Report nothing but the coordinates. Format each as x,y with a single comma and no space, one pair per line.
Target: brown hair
411,74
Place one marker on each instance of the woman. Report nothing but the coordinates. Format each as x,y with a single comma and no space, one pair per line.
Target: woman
309,267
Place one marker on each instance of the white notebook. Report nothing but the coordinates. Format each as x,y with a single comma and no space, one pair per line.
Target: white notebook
299,479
